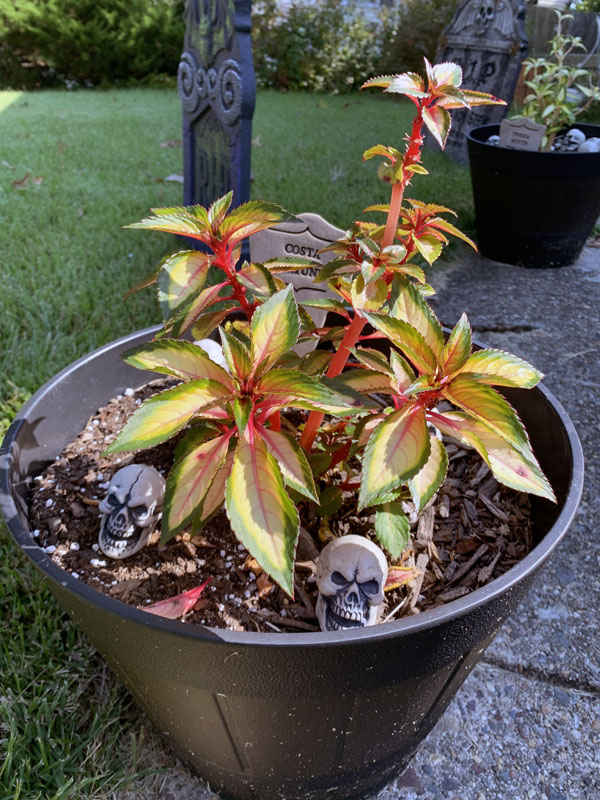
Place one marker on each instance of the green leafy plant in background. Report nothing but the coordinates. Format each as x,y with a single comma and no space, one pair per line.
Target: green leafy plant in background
387,374
558,92
88,41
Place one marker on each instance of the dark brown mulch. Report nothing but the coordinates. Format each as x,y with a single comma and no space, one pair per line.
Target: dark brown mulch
472,532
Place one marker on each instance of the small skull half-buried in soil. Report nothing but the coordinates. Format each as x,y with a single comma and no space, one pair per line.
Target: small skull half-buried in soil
351,574
130,510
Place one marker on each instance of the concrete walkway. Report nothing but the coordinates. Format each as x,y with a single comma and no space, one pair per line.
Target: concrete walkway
526,723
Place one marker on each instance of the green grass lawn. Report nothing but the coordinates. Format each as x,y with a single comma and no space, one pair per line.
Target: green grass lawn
95,162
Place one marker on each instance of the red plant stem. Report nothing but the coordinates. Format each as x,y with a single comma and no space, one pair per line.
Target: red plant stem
276,421
338,363
411,156
224,262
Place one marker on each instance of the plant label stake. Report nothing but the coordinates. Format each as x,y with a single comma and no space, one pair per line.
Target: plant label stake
521,133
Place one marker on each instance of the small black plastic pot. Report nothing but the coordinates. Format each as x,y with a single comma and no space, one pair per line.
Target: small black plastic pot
265,715
533,209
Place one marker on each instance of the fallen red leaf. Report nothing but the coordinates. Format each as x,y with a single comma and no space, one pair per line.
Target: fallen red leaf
175,607
400,576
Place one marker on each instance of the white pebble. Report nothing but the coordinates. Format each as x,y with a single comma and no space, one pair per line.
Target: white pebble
129,392
113,583
96,422
221,607
50,549
74,546
247,594
251,576
95,547
99,477
75,574
49,502
97,562
222,553
89,427
35,533
283,612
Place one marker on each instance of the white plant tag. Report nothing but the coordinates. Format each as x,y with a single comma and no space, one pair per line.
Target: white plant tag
521,133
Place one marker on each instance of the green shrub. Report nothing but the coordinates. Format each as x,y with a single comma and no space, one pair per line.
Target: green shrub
88,42
417,33
325,45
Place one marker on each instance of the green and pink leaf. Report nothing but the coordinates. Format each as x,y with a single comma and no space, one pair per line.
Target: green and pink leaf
260,511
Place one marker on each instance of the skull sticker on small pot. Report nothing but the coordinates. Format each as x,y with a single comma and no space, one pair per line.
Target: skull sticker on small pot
351,574
130,510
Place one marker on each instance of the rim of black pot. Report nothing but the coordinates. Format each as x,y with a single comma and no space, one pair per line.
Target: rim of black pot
493,128
404,626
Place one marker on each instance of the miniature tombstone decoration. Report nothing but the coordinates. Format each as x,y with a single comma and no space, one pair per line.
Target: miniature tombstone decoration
351,574
521,133
303,238
487,38
130,510
217,88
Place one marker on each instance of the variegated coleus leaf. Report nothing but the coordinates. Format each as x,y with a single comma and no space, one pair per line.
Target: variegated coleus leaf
196,465
189,221
395,452
250,218
457,349
282,387
179,358
431,476
509,466
260,511
236,355
162,415
274,330
259,280
292,462
181,275
485,404
407,339
497,368
214,497
410,307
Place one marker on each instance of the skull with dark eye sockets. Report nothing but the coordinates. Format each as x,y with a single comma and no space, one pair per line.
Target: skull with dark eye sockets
130,510
351,574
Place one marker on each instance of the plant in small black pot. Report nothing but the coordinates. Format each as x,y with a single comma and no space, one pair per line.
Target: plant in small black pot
536,178
291,480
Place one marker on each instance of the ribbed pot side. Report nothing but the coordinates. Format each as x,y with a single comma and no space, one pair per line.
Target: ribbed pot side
295,716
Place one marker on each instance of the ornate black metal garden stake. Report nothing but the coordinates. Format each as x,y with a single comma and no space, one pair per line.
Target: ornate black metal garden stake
217,89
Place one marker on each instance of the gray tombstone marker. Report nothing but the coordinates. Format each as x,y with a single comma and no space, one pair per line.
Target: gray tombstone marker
216,85
521,133
487,38
304,238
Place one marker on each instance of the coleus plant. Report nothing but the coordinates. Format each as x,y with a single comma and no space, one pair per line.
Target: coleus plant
370,395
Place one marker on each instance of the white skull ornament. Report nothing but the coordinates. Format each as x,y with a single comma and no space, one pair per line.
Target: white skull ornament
130,510
351,573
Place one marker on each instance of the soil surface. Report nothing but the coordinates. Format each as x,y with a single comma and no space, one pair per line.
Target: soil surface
473,531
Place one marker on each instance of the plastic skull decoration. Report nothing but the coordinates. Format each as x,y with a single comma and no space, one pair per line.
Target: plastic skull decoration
351,574
130,510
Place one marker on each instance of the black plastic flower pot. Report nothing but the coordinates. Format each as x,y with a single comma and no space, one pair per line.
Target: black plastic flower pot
533,209
306,715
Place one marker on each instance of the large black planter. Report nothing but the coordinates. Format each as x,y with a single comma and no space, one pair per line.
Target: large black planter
301,715
533,209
